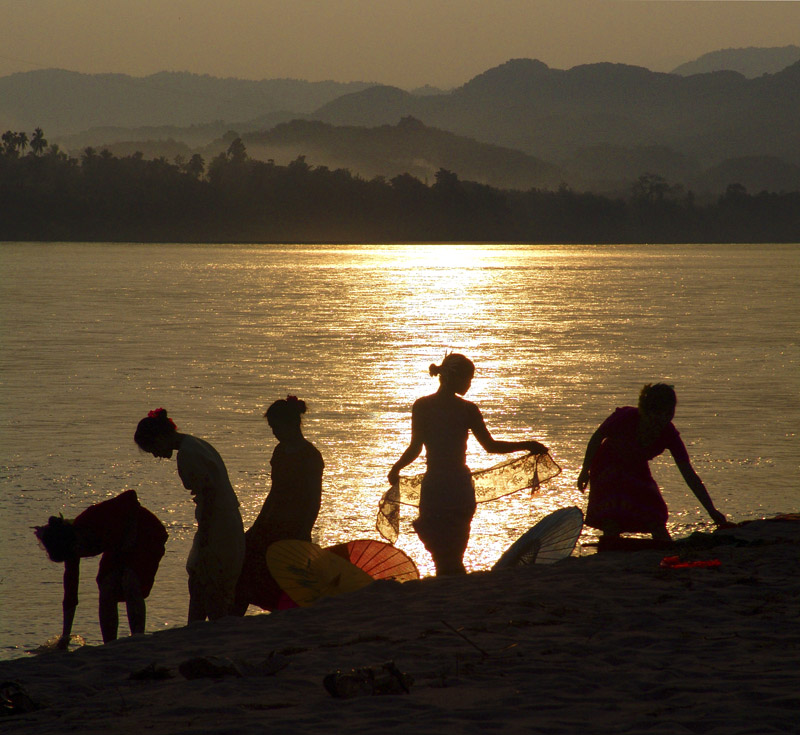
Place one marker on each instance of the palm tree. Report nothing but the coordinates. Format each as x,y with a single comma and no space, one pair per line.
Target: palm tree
21,141
9,139
38,141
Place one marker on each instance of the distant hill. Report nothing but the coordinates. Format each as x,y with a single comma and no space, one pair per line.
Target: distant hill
64,102
384,151
411,147
750,62
407,147
108,136
595,127
553,114
754,173
610,169
427,90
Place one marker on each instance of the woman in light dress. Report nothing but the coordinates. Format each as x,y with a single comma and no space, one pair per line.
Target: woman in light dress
215,560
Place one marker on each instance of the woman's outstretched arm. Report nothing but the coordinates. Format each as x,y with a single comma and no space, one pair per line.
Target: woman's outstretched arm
72,572
699,489
406,458
497,446
591,449
412,451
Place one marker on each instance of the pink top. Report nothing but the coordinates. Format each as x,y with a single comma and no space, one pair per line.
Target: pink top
619,432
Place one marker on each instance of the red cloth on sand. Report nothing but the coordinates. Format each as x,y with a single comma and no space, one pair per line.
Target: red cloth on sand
621,488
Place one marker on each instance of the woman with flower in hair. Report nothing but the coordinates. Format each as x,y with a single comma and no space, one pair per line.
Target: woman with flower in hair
131,540
441,423
215,560
291,507
623,496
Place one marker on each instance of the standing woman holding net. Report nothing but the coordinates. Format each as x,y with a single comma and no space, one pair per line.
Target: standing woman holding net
441,423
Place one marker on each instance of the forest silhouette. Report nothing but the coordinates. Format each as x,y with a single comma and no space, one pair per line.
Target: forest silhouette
50,196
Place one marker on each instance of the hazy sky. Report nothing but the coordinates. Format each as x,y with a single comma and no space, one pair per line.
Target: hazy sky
403,42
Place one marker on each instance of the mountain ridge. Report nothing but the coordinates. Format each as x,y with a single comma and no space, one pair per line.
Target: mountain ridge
597,125
409,147
66,102
599,104
751,61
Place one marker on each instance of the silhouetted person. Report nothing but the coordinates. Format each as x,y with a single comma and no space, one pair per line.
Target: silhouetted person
623,496
215,560
131,540
291,507
441,423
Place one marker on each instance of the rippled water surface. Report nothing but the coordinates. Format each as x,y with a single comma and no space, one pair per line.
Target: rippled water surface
96,335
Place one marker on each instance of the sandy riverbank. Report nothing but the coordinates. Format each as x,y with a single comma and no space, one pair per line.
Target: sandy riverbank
612,643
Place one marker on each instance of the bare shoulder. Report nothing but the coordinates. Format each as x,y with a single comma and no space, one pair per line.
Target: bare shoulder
475,418
421,405
469,407
195,446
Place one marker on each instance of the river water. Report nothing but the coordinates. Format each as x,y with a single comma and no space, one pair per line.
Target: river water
95,335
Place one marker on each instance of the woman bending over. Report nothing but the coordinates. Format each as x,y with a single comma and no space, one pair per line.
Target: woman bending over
131,540
215,560
623,496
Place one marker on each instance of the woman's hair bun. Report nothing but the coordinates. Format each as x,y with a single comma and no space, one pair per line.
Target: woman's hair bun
160,416
284,409
58,538
155,424
298,404
454,364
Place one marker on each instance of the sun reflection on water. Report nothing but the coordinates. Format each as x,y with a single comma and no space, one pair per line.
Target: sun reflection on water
454,298
560,335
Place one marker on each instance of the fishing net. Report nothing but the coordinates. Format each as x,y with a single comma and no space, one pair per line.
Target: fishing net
505,478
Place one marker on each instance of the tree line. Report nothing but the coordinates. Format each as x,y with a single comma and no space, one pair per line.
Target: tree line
47,195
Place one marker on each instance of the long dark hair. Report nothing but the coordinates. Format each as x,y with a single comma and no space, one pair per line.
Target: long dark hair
58,538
